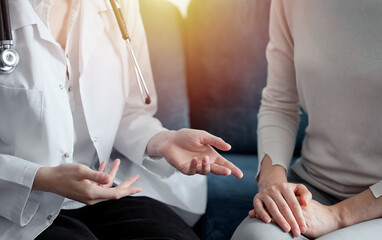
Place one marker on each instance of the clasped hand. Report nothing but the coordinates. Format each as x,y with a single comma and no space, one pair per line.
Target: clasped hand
291,207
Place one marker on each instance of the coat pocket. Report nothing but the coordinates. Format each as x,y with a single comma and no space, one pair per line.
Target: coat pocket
21,113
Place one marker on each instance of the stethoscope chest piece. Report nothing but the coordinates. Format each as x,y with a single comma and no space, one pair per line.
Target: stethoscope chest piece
9,59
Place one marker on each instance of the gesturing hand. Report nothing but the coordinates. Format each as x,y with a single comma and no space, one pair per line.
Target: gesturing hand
279,203
191,152
80,183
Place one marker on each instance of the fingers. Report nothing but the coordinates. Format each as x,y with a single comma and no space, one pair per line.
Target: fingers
209,139
274,211
102,167
252,213
225,163
278,203
114,168
304,194
295,207
193,166
112,173
259,210
122,190
129,182
84,172
287,214
102,194
206,169
219,170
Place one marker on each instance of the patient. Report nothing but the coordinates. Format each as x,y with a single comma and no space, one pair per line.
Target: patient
324,56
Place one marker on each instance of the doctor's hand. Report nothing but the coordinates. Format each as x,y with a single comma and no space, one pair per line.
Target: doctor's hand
80,183
191,152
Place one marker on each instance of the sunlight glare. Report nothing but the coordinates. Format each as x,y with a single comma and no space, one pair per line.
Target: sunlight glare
182,5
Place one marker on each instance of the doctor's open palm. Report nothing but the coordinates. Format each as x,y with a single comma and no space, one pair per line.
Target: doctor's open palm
191,152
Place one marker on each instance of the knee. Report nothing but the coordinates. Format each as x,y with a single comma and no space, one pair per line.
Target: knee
255,229
250,228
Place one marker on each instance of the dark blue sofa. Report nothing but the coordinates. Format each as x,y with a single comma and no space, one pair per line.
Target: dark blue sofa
210,69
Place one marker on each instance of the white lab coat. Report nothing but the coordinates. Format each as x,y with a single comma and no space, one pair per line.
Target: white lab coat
36,126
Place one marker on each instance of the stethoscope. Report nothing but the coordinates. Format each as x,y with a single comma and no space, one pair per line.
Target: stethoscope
125,35
9,58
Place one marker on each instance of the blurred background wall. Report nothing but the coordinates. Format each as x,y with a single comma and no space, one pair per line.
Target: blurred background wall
182,5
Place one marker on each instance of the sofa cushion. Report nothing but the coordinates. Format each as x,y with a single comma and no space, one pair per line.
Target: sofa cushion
164,29
226,67
229,199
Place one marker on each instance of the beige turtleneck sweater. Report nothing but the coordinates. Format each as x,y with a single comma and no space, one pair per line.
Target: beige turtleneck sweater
326,57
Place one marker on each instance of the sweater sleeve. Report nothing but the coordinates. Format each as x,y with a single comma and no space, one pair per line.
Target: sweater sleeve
376,189
279,111
138,125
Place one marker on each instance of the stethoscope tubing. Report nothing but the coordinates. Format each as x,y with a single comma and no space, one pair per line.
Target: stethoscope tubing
125,35
141,81
9,58
6,31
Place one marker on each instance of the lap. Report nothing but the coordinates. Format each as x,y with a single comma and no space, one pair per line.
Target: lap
131,218
65,227
371,229
255,229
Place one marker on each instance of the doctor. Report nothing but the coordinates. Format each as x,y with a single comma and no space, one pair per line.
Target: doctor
73,99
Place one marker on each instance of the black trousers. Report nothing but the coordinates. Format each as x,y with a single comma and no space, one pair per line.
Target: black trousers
127,218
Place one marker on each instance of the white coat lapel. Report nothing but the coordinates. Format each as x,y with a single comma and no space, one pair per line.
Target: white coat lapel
23,14
91,27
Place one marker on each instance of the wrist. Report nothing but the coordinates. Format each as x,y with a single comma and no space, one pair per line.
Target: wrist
156,144
268,181
341,215
43,179
271,174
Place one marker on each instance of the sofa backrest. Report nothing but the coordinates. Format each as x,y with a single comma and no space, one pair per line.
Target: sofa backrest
227,68
164,26
213,61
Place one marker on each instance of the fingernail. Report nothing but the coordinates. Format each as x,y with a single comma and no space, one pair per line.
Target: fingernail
303,229
286,228
103,177
296,232
139,190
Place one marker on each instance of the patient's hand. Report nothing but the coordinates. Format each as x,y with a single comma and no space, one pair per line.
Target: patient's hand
320,219
191,152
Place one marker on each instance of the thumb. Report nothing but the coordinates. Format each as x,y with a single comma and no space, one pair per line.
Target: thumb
304,193
209,139
94,176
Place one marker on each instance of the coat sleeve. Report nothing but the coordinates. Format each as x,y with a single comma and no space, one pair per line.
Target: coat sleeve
138,125
279,112
17,200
